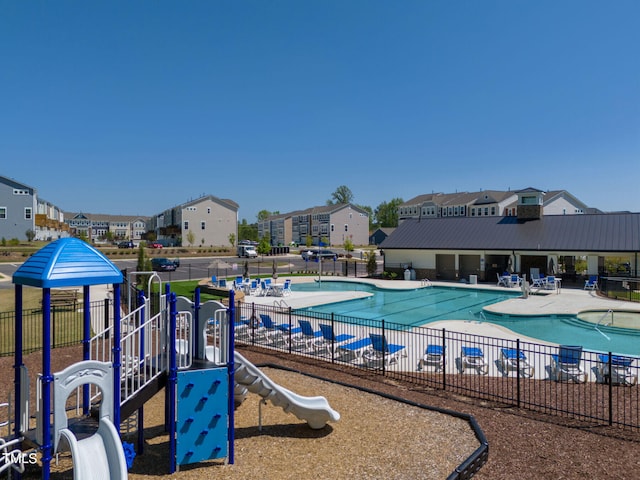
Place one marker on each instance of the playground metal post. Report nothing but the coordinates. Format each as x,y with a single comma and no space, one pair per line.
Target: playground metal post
232,367
47,378
86,338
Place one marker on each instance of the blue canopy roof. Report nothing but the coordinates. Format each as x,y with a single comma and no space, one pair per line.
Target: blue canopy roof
68,262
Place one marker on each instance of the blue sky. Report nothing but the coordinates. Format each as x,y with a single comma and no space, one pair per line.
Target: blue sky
133,107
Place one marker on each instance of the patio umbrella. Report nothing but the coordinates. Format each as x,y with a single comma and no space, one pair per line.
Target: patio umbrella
552,267
510,264
246,269
274,269
220,265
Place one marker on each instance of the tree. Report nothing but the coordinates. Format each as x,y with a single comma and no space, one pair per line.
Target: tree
144,265
348,245
232,239
369,211
263,215
247,231
191,237
372,266
342,195
387,213
264,247
30,234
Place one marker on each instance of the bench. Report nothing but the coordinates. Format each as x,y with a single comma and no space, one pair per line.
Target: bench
64,298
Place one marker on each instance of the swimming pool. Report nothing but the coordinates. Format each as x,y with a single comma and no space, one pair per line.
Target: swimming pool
409,308
416,307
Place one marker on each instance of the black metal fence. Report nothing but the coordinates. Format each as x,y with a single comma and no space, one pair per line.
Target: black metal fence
601,389
66,326
621,288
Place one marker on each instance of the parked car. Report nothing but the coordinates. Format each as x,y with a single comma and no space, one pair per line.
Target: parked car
126,244
162,264
154,245
322,254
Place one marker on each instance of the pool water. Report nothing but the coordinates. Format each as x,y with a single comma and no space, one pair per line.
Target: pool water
408,308
419,307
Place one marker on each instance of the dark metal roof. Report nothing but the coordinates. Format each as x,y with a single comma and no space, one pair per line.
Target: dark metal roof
588,233
68,262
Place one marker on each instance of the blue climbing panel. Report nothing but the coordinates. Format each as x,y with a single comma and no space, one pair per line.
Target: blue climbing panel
203,416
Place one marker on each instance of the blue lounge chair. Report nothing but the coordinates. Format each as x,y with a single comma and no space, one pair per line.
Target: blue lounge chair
381,351
274,330
433,357
514,360
304,340
330,341
353,351
473,357
565,365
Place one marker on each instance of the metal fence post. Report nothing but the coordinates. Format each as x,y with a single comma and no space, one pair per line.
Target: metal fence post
518,372
106,317
53,325
384,348
444,360
610,390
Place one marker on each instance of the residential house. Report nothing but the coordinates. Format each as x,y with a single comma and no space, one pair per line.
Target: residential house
278,229
456,248
99,227
380,234
206,221
487,203
21,210
329,224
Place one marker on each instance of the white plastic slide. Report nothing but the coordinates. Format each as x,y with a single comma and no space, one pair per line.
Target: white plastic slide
314,410
98,457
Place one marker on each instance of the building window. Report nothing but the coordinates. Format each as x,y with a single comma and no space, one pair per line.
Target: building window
486,211
473,212
346,227
208,209
27,213
202,226
493,210
3,213
186,225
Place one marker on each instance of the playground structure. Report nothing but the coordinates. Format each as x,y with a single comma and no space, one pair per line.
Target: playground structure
164,344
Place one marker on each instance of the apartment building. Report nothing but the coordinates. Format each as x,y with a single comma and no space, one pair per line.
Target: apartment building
488,203
207,221
22,211
331,224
